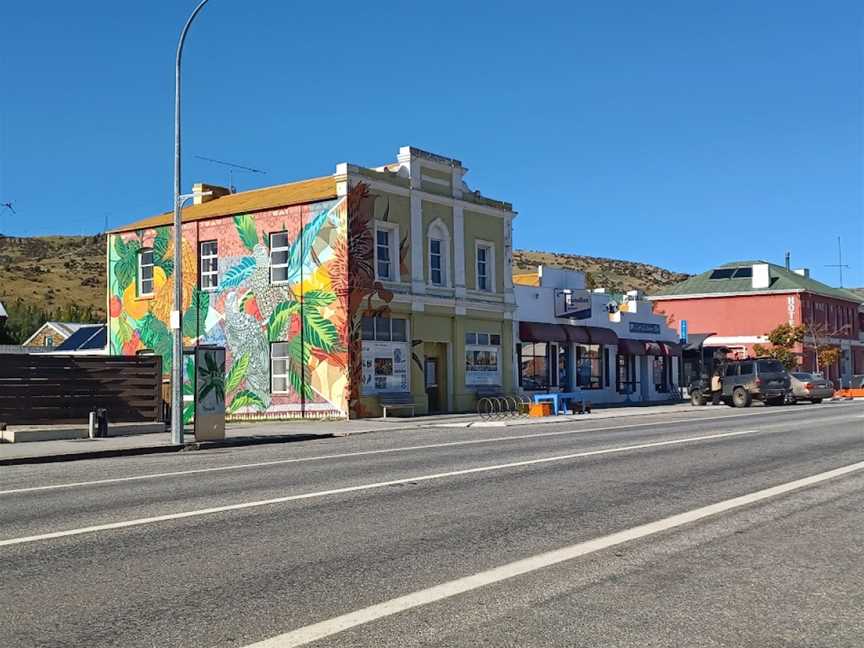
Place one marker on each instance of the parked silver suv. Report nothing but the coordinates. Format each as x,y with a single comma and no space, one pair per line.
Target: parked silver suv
762,379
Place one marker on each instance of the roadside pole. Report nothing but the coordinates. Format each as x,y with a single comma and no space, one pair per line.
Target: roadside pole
177,355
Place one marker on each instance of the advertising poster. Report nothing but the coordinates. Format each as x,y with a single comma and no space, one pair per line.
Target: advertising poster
385,367
482,366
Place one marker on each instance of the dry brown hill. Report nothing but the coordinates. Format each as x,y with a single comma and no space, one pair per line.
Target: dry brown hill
53,272
613,274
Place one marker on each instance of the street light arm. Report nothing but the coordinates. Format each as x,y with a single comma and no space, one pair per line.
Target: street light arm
186,29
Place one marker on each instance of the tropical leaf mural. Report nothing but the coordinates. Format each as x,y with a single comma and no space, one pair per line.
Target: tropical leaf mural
298,367
239,272
319,332
195,317
247,312
246,398
318,298
246,229
126,261
280,317
236,374
211,377
302,246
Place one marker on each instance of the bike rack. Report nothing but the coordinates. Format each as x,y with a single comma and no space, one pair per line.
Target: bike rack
513,405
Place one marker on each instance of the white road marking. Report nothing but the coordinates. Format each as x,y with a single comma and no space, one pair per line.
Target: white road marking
316,631
352,489
276,462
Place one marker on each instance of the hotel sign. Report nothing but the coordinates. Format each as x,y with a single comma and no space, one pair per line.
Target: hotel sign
644,327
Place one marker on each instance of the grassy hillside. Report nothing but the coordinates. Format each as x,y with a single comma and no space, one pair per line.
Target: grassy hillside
50,278
53,272
63,277
613,274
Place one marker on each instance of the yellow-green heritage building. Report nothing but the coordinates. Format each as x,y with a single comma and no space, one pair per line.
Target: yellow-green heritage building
444,254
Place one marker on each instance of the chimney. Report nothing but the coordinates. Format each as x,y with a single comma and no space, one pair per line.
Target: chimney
216,192
761,275
804,272
788,260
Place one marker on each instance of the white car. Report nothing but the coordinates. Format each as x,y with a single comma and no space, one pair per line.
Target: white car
810,387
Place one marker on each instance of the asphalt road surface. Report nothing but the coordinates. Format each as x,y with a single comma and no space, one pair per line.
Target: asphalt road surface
717,527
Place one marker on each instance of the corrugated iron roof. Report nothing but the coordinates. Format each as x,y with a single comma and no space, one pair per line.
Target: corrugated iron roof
293,193
781,280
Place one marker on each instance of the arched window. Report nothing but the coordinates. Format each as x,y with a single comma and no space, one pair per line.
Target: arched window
438,254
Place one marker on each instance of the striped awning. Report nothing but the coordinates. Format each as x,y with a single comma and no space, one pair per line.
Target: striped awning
541,332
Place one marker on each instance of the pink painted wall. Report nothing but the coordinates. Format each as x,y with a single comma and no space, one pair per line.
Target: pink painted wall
739,315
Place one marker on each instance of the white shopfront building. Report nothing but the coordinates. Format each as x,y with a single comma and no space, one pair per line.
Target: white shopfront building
609,348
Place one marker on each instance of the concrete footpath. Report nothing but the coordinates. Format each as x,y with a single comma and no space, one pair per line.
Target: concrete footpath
247,434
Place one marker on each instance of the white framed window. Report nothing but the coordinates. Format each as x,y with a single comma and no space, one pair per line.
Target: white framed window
208,266
438,253
49,340
279,358
384,329
145,272
279,247
436,267
484,254
386,251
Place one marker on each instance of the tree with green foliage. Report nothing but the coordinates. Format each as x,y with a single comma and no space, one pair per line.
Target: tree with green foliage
783,340
25,318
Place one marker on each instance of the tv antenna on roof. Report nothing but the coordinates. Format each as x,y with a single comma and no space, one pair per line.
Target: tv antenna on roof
232,168
839,265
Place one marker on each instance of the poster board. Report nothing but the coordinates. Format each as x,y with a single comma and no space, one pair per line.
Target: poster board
482,365
385,367
209,393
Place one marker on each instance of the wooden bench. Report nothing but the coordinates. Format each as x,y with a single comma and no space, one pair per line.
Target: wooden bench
396,400
488,390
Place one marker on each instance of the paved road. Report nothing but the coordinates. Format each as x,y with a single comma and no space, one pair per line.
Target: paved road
289,543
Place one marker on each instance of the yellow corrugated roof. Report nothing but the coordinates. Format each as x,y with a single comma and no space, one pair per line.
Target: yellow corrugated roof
293,193
526,279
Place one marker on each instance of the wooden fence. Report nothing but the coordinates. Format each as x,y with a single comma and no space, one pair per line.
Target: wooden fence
39,389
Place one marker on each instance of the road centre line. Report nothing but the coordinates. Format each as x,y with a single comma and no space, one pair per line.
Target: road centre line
344,455
316,631
352,489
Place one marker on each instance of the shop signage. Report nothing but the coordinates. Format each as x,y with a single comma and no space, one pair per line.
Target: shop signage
644,327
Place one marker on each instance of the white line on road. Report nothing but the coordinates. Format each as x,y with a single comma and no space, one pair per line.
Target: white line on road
314,632
343,455
351,489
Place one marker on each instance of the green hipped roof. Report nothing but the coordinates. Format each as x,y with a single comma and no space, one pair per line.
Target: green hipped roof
782,280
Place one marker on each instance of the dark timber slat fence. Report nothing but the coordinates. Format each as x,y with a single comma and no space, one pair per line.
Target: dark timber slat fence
43,389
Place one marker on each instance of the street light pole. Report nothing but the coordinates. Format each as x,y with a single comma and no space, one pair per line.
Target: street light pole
177,356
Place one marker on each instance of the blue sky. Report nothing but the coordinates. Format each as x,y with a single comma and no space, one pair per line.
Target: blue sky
682,134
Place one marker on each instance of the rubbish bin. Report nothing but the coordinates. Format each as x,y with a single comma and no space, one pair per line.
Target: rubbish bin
101,422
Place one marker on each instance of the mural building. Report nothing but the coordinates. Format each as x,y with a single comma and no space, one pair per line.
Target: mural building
330,294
